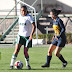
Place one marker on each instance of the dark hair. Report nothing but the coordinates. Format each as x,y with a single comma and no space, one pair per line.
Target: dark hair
56,12
24,7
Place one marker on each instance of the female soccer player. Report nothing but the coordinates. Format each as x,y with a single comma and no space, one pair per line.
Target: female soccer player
59,39
26,30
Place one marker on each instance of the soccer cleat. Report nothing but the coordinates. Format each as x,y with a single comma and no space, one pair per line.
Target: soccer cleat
11,67
46,65
28,67
65,64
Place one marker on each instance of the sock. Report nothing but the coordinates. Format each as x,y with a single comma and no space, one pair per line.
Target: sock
13,59
48,59
62,59
27,60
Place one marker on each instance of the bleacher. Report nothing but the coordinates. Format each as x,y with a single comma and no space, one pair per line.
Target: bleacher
9,27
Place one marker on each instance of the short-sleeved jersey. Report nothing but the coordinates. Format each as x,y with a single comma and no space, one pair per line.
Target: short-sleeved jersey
59,28
25,25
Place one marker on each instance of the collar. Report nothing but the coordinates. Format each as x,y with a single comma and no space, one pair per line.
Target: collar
56,19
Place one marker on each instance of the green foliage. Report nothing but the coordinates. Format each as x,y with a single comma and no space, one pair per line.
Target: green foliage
42,36
69,37
0,36
50,35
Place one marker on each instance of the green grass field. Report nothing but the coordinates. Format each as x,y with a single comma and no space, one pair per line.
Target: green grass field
37,58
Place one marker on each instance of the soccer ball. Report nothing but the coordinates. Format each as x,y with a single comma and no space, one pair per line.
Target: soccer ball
18,65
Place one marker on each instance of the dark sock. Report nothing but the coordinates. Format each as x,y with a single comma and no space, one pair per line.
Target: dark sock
27,57
48,59
62,59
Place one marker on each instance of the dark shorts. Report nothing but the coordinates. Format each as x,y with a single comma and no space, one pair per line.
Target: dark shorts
60,42
22,40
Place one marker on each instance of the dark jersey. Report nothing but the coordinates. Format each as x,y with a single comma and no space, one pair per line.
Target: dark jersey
59,28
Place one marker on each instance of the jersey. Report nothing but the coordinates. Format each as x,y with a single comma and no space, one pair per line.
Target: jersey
59,28
25,25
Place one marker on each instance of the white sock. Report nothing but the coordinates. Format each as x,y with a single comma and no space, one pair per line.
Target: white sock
27,61
13,60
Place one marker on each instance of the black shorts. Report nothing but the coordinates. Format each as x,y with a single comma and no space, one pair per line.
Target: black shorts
22,40
60,42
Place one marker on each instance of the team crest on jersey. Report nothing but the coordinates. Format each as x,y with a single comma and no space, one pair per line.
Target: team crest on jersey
22,23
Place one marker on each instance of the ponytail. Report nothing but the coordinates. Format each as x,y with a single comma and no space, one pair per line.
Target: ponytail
56,12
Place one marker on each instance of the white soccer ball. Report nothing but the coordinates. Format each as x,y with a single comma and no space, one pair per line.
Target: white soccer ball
18,65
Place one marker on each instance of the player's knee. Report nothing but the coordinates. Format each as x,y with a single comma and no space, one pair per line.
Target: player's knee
49,52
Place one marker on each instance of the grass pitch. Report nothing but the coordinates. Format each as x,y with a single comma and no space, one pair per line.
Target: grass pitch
38,57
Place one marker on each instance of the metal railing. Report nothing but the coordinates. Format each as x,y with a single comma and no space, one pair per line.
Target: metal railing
3,21
8,13
8,30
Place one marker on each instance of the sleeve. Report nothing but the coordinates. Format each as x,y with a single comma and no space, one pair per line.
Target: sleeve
62,27
32,19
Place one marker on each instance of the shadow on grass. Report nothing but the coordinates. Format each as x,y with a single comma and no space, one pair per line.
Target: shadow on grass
68,68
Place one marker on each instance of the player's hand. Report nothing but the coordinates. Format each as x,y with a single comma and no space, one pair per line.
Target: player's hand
26,48
53,38
30,38
56,38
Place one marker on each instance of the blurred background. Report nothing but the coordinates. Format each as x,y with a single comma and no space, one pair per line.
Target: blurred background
10,10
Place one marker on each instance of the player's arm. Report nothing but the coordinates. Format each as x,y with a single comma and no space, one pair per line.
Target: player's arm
33,30
62,28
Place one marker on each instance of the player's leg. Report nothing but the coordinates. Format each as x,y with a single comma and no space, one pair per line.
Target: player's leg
49,56
57,53
27,57
27,45
26,52
14,56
